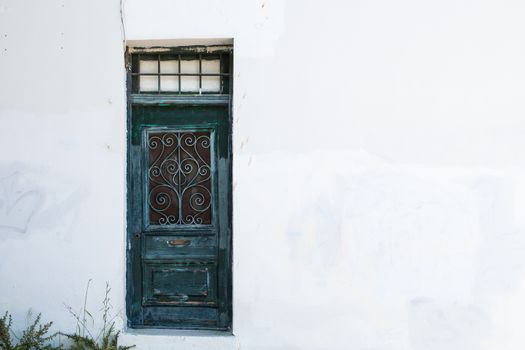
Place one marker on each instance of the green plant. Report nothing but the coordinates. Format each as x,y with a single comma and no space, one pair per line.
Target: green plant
34,337
106,338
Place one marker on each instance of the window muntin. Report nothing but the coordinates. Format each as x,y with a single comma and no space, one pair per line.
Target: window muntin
167,73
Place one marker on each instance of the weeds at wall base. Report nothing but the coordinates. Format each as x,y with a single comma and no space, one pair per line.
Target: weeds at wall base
37,337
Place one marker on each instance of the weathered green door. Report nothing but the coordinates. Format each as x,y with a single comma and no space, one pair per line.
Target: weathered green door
179,217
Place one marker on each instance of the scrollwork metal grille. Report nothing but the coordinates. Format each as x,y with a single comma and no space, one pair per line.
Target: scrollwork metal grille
179,178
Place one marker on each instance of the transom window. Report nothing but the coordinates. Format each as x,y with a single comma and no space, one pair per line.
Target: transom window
181,73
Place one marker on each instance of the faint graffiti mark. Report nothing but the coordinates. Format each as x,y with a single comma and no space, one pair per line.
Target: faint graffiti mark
17,204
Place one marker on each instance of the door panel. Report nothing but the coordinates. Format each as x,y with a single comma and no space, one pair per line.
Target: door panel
179,210
180,284
165,246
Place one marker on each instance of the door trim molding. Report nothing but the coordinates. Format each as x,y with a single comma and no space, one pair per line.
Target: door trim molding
161,99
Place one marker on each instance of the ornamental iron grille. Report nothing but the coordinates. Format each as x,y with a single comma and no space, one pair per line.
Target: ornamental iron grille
179,177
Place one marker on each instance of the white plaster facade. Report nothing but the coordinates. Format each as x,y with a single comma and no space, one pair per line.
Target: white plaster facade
379,188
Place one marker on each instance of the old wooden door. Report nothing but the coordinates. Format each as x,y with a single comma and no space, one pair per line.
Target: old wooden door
179,217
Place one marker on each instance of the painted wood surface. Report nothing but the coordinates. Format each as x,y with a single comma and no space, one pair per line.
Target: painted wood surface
179,273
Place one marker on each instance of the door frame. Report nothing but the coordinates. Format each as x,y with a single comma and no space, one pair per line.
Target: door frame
133,250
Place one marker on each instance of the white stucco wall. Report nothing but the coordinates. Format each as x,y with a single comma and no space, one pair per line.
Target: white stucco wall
379,188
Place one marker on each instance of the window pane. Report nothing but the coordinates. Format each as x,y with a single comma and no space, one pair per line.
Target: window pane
189,83
148,83
169,83
211,66
148,66
189,66
211,84
170,66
